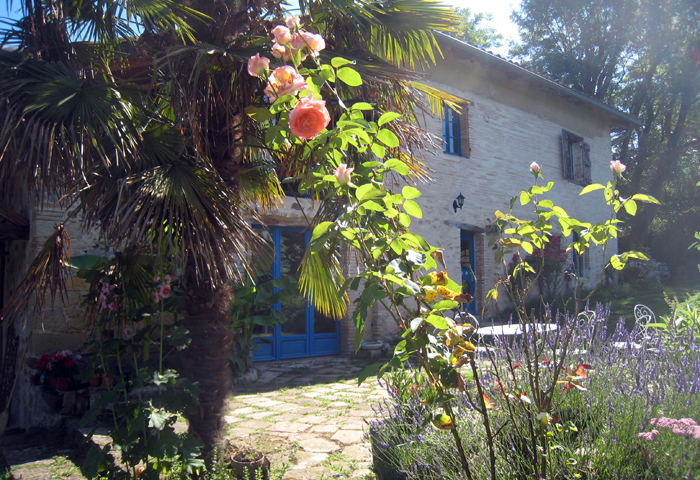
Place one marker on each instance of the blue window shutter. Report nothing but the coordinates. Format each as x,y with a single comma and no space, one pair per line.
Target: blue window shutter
450,132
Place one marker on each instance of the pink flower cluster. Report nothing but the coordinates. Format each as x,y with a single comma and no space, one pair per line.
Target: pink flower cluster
683,426
290,40
163,290
310,116
59,360
105,289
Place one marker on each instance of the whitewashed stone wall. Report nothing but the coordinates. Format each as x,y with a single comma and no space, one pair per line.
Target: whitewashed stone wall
512,122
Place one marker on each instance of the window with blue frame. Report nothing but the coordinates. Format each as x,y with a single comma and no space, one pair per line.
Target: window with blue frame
455,131
305,332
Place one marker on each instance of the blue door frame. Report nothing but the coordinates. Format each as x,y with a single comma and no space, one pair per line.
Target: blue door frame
468,267
280,345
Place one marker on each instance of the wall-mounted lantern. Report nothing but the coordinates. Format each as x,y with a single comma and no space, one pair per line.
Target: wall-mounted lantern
458,202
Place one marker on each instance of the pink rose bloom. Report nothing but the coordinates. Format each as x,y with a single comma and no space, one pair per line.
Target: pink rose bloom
257,65
309,118
165,291
282,34
292,22
342,173
112,306
103,300
283,81
535,168
278,50
314,41
617,167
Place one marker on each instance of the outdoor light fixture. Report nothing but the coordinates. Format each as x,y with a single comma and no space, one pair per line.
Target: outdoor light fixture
458,202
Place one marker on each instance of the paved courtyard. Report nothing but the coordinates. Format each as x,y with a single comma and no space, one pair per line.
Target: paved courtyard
309,416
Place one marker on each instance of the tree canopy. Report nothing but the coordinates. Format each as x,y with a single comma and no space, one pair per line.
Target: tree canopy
642,56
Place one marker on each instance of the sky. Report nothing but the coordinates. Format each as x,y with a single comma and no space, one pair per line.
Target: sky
500,9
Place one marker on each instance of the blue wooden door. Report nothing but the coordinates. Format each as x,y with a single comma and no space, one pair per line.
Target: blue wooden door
468,267
305,332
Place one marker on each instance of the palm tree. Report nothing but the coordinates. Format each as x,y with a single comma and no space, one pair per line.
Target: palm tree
136,112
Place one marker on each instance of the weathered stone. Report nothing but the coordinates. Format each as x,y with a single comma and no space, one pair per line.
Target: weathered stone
325,428
231,419
358,452
261,415
318,445
289,417
311,473
242,411
254,424
240,432
289,427
313,419
348,437
309,459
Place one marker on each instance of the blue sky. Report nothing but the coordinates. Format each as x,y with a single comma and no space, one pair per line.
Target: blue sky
500,9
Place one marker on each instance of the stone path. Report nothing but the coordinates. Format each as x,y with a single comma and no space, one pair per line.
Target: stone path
308,416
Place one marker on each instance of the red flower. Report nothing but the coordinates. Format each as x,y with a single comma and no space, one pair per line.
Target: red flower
69,362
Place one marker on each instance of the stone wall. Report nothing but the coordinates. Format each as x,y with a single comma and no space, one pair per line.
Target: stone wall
512,122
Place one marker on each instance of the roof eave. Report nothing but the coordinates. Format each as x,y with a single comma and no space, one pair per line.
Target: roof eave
622,119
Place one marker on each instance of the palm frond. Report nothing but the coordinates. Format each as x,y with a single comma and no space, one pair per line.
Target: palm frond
321,278
48,274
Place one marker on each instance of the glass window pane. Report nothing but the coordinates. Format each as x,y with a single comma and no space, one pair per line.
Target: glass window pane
324,324
292,249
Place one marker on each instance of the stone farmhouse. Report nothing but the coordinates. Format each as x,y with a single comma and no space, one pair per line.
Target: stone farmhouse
509,118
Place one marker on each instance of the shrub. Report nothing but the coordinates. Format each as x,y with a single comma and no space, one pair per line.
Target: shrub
596,416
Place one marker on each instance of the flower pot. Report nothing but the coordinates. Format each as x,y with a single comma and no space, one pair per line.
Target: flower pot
245,468
96,380
60,383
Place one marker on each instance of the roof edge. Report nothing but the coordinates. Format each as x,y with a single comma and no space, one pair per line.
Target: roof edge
622,118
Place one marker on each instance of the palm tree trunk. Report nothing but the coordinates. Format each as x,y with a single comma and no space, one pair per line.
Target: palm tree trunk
205,361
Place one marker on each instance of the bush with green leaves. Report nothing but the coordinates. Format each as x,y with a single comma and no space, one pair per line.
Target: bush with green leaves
134,304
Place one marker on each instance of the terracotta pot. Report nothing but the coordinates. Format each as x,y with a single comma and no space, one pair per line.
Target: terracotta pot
247,470
96,380
60,383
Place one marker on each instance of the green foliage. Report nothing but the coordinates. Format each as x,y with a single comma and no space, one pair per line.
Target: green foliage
639,56
470,29
133,310
254,305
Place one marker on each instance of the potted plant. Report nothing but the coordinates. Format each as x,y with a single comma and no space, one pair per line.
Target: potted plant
246,464
58,368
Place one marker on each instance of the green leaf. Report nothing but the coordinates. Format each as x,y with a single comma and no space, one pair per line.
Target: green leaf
259,114
372,205
438,322
388,138
591,188
404,219
445,305
349,76
320,229
416,323
158,419
398,166
524,198
370,369
409,192
388,117
362,106
618,262
630,207
645,198
378,150
338,62
527,246
413,209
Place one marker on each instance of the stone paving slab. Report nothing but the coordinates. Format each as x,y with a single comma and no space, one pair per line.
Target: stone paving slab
315,408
